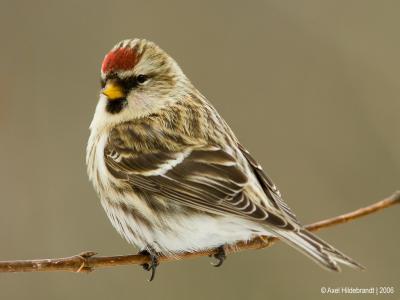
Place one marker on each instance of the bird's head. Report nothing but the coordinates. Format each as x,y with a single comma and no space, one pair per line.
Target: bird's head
138,78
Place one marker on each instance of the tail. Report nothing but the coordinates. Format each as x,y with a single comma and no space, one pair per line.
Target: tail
317,249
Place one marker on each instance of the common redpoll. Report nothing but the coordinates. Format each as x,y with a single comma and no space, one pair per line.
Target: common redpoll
171,175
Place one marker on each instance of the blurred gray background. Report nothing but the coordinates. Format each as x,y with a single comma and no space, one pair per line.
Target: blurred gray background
310,87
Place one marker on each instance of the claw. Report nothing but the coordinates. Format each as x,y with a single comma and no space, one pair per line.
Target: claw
152,266
220,256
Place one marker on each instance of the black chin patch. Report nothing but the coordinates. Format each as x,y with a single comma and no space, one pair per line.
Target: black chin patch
116,105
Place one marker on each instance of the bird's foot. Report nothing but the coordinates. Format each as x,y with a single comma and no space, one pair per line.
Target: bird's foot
220,256
152,265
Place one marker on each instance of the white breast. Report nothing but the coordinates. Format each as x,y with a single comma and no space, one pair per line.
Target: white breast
180,233
96,167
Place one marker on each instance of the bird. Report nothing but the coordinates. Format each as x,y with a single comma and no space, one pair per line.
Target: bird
171,174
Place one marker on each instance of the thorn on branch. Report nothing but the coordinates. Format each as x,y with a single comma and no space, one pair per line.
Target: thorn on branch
85,266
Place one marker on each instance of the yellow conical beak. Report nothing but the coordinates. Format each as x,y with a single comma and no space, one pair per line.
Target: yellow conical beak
113,91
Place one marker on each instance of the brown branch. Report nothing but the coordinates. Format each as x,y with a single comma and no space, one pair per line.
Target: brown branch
87,261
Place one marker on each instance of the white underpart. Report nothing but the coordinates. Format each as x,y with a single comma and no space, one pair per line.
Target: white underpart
183,233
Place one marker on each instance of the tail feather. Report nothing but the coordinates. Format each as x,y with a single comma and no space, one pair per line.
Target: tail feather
317,249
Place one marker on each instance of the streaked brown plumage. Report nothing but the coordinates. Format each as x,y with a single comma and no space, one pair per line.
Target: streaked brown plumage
170,172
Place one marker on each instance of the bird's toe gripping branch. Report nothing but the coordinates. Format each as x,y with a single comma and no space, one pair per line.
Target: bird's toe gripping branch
220,256
152,265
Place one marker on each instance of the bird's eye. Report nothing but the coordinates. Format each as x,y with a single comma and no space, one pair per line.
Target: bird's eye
141,78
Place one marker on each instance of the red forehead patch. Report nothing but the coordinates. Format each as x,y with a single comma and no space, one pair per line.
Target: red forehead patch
119,59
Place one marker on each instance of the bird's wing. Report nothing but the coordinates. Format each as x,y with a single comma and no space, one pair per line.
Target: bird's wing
269,188
205,178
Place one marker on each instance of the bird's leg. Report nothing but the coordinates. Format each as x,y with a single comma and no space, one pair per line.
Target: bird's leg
220,256
152,266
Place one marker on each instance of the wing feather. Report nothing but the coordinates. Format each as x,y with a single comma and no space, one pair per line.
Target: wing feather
269,187
204,178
